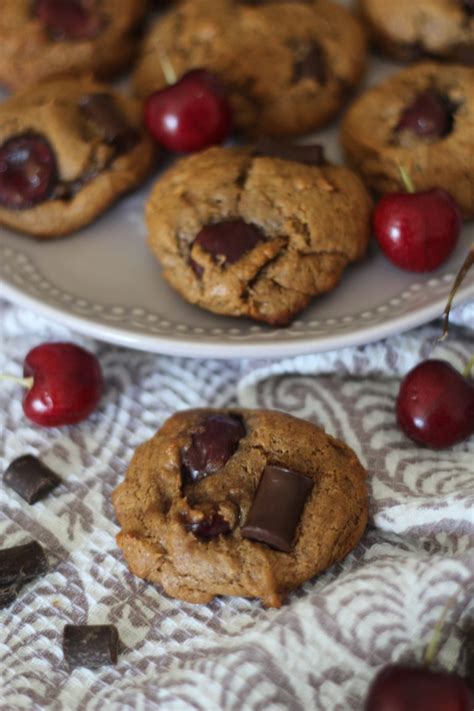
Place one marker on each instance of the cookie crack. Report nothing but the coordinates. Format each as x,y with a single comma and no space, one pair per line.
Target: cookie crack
246,291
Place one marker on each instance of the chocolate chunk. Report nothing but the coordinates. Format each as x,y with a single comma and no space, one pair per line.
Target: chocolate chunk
430,115
8,594
468,6
28,171
22,563
229,241
307,153
102,110
210,526
277,507
464,53
211,446
90,646
30,478
310,64
69,19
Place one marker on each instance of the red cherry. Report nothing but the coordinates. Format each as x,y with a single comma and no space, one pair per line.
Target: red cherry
417,231
398,687
191,114
435,405
67,384
68,19
28,172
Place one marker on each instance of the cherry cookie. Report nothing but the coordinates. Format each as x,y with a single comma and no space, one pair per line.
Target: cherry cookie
68,149
409,30
423,120
41,38
246,233
287,66
239,502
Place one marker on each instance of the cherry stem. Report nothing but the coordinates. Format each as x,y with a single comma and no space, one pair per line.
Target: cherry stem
408,183
435,642
24,382
168,69
469,367
467,264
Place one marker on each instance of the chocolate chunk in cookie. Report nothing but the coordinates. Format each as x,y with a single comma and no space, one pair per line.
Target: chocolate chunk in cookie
242,233
283,502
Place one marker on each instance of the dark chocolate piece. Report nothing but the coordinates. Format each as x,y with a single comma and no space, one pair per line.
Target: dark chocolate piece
210,526
277,507
464,53
229,241
310,64
90,646
106,115
212,445
307,153
30,478
8,594
22,563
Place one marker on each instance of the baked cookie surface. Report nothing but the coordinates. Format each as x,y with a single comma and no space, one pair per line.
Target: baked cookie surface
254,235
422,119
42,38
239,502
287,66
68,149
409,30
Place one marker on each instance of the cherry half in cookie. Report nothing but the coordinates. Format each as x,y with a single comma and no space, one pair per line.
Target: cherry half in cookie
190,114
69,19
428,116
399,687
28,172
212,446
210,526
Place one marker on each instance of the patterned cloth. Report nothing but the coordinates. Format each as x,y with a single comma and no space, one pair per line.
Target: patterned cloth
321,649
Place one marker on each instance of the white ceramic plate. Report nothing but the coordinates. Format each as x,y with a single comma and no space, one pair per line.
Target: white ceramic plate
103,282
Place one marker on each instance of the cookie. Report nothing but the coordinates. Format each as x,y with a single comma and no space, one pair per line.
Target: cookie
68,149
252,235
239,502
408,30
287,66
43,38
422,119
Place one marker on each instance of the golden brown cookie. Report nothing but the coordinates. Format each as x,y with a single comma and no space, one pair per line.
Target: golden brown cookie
287,66
422,119
409,30
42,38
255,235
239,502
68,149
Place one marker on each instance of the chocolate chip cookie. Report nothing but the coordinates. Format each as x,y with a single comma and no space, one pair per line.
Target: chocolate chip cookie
68,149
243,233
239,502
408,30
287,66
42,38
422,119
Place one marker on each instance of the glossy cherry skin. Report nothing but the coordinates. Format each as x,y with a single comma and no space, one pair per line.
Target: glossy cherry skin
67,384
435,405
190,115
399,687
417,231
